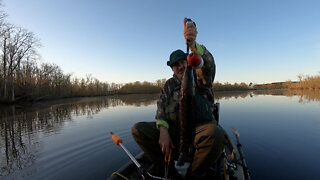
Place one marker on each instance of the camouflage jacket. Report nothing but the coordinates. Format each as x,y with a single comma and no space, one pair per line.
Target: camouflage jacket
168,102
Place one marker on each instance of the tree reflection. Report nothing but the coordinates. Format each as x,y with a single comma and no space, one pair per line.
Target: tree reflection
15,144
139,99
232,94
305,96
22,126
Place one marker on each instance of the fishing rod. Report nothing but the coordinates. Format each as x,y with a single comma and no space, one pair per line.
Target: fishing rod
243,161
143,172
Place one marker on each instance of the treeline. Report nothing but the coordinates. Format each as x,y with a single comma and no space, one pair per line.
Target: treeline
275,85
142,87
305,82
147,87
231,87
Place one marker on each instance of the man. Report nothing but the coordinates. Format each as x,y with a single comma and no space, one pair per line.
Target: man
209,139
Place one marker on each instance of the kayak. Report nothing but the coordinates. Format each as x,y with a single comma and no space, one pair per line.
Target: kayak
229,166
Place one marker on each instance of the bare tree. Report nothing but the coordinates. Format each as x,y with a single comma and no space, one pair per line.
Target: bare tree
6,32
21,43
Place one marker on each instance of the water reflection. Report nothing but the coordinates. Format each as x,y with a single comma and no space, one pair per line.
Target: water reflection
228,95
305,96
21,128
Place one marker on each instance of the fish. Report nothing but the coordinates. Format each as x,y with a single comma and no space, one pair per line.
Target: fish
187,116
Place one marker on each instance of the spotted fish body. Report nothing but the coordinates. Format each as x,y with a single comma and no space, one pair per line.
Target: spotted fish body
187,117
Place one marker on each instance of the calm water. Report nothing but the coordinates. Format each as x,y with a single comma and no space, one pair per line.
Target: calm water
70,139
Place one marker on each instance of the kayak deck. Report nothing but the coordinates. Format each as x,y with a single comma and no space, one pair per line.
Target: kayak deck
227,167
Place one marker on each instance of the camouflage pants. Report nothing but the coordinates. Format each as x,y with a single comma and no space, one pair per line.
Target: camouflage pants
209,144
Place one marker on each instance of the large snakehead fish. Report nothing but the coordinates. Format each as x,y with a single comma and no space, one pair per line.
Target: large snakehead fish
187,115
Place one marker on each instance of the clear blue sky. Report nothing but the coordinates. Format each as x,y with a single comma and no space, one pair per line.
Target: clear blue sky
125,41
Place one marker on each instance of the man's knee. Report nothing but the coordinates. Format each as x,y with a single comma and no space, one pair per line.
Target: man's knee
209,130
145,130
210,136
136,128
216,132
220,134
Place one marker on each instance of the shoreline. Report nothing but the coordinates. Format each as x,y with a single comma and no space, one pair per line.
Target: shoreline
57,100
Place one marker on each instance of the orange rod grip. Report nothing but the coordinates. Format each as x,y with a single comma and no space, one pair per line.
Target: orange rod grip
116,139
168,158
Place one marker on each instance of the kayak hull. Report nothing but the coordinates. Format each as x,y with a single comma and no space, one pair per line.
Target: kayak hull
227,167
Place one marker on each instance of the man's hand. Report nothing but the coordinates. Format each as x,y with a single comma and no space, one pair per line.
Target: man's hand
190,33
165,141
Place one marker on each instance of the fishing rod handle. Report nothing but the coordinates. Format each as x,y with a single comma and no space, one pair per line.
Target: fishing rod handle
115,138
118,141
188,21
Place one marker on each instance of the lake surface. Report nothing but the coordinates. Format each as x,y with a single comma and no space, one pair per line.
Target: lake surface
69,139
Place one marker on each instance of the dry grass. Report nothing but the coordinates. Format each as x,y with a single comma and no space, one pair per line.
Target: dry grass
305,82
